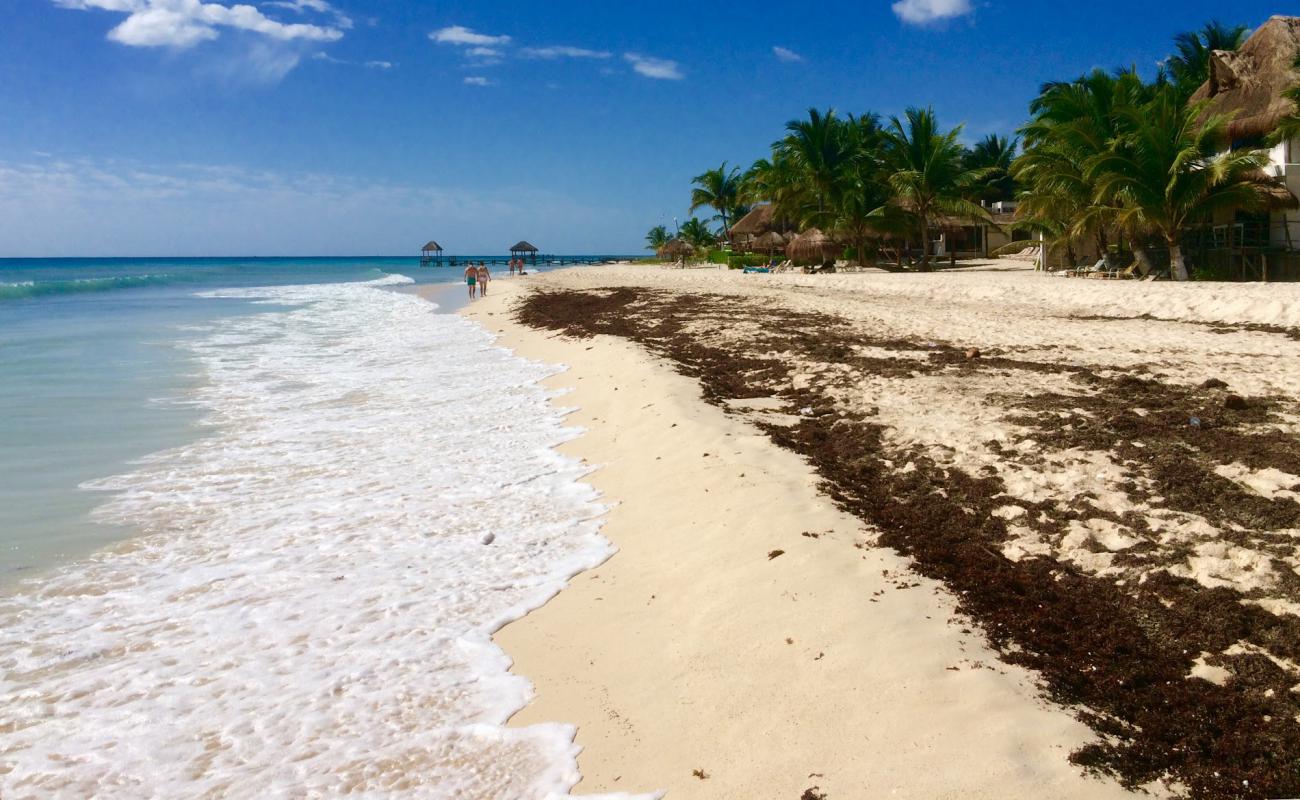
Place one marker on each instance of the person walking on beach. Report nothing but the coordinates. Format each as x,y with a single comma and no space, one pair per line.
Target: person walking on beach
471,277
484,278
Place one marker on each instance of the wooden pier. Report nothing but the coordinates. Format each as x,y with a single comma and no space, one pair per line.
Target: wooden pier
502,261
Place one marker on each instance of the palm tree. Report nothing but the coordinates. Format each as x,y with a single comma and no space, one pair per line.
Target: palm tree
994,154
1167,172
657,237
697,232
925,168
817,151
1189,67
1288,127
720,189
1074,122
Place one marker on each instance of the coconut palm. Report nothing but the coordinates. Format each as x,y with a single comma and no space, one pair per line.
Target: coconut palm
697,232
1288,127
719,189
1167,172
1073,122
657,238
1189,66
818,152
994,154
925,168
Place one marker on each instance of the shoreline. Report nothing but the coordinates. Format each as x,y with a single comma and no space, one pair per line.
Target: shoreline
830,666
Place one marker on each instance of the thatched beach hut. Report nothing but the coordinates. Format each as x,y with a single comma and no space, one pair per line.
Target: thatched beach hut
770,242
1249,84
430,253
812,246
524,250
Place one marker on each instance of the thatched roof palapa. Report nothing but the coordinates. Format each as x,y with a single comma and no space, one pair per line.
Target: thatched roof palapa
812,244
676,248
1249,82
431,247
769,241
523,247
756,222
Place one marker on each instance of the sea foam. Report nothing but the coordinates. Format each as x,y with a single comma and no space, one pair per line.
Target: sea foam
308,609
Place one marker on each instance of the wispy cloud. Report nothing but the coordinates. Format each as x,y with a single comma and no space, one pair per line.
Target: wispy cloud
318,6
329,59
460,35
181,24
562,51
787,55
57,206
921,12
658,68
477,80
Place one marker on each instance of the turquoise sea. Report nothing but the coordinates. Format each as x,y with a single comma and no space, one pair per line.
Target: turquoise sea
249,545
94,373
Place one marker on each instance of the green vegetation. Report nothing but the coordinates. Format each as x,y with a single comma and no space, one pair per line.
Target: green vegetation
1105,158
720,190
657,237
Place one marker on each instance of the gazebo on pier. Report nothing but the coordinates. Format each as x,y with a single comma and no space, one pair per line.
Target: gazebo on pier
525,251
431,254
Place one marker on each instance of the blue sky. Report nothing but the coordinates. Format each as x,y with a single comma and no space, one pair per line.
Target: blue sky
315,127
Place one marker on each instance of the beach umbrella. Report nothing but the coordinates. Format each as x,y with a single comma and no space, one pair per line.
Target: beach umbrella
678,247
812,245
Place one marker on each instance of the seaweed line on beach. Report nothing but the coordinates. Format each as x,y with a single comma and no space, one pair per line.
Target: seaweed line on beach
1117,650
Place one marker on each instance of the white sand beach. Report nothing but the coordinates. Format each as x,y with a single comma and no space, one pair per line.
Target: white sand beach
700,661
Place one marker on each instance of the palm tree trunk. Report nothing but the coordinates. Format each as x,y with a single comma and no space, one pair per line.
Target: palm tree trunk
1176,260
925,244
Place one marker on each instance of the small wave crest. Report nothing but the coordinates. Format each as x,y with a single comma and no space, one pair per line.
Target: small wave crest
23,290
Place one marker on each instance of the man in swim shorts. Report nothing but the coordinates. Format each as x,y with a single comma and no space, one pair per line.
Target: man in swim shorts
471,277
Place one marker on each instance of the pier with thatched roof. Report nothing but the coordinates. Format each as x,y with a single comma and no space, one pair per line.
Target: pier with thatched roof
524,250
431,254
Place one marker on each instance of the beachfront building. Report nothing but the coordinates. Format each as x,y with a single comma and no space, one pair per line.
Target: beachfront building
1249,84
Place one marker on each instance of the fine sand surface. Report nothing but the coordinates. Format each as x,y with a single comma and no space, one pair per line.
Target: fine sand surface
828,666
836,665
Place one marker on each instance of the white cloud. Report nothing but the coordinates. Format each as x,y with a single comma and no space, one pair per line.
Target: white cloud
329,59
477,80
921,12
561,51
460,35
185,23
659,68
484,52
319,6
787,55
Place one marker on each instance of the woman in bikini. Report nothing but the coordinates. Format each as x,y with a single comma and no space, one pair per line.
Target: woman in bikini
484,278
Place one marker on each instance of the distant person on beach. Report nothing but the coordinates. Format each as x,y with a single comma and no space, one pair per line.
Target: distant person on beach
471,277
484,278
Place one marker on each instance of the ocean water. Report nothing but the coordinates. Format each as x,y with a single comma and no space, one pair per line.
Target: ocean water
270,514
